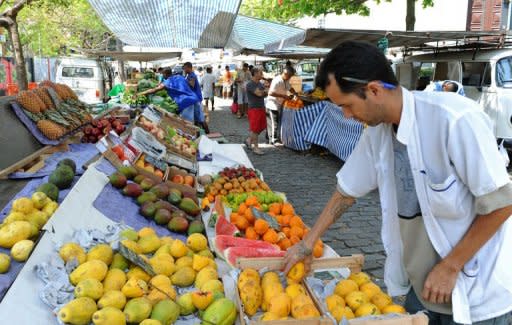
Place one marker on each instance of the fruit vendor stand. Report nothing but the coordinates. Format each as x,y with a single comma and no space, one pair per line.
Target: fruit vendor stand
321,123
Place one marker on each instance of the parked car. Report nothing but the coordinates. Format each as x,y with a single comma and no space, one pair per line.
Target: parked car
87,77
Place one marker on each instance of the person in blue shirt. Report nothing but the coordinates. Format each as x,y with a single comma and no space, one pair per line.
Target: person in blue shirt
196,87
179,90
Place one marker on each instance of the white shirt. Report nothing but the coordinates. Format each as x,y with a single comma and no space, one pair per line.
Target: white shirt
454,158
207,85
281,87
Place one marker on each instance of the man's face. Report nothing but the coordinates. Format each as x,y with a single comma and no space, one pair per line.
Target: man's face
286,75
258,75
187,69
368,110
245,67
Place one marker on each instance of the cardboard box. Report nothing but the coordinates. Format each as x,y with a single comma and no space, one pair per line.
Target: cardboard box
274,263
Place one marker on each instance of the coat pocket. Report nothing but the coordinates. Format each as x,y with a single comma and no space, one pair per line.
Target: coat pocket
447,197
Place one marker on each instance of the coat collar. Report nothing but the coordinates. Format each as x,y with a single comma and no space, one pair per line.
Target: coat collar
407,118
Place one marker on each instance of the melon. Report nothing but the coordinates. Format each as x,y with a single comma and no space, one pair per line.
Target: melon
233,253
223,242
224,227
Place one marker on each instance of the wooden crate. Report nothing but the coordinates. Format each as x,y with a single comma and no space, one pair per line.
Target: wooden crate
416,319
275,263
172,120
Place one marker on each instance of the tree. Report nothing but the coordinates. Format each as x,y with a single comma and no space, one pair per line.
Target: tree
289,10
8,19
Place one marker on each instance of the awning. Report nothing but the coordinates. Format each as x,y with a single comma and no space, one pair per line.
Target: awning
253,33
329,38
169,23
135,56
294,53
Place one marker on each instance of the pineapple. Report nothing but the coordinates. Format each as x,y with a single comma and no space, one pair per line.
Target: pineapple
70,93
61,91
43,95
30,101
50,129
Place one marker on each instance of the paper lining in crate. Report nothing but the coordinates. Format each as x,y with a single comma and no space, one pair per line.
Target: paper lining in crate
347,296
296,300
177,122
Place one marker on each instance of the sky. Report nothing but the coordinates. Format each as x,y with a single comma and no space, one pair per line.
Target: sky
445,15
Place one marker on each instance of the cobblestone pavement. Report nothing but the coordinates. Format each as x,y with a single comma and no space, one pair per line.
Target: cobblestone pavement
308,181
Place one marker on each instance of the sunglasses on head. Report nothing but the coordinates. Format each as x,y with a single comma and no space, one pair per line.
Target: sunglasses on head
362,81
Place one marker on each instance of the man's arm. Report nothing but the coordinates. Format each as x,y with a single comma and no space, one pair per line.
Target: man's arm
337,205
152,90
441,280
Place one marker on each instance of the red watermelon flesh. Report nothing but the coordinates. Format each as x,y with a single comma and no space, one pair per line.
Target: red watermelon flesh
233,253
224,227
223,242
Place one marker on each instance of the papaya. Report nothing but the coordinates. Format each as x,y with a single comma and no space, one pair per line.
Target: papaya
113,298
114,280
102,252
137,310
91,288
78,311
109,316
94,269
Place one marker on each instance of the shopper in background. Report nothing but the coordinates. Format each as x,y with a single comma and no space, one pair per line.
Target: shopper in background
207,86
242,78
196,88
256,94
279,91
227,82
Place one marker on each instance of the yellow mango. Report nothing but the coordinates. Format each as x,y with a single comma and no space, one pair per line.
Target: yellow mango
102,252
94,269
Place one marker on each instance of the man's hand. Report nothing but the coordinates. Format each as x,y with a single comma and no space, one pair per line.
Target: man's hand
298,252
440,282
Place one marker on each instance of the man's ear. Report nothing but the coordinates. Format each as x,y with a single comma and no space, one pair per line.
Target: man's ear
374,87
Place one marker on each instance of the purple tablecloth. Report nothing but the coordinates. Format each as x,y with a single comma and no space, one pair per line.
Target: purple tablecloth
31,126
80,153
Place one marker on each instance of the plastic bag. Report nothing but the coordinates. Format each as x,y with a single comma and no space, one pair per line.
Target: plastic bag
234,108
504,153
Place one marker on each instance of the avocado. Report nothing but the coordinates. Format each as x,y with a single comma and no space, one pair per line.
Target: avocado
62,177
50,190
69,163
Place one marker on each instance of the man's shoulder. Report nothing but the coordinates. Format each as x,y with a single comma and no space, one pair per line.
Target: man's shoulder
451,103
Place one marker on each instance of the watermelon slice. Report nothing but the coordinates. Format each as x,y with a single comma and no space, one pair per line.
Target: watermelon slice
223,242
233,253
224,227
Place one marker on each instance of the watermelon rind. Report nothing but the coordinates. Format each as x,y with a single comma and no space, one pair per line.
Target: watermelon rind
234,253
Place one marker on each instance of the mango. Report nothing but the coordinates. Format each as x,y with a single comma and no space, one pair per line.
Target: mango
166,311
202,299
135,287
50,190
178,249
149,244
139,273
213,285
132,190
186,305
102,252
356,299
129,234
50,208
165,249
207,273
119,262
23,205
129,171
131,245
94,269
21,250
78,311
367,309
150,322
296,273
113,298
109,316
221,312
14,232
91,288
175,196
5,263
161,190
197,242
37,218
117,180
183,277
146,197
294,289
162,265
178,224
114,280
196,227
137,310
189,206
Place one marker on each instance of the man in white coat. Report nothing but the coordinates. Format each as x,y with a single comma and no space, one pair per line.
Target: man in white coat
445,194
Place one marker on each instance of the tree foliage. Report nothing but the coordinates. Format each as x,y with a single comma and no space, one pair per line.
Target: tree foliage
289,10
53,27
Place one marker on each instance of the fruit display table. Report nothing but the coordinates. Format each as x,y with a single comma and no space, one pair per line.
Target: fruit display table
321,123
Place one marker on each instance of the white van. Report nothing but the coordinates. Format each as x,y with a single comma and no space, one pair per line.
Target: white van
486,76
85,76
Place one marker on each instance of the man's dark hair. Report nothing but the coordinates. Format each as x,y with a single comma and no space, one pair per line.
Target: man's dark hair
227,67
187,64
160,69
355,59
200,69
255,70
251,66
450,86
289,70
166,72
288,63
246,65
209,69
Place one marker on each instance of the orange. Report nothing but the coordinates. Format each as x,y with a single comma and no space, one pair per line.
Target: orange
279,219
286,220
296,231
273,214
275,208
251,234
211,198
242,223
296,221
287,209
306,230
284,244
318,251
286,231
251,200
233,217
294,239
271,236
241,208
260,226
249,216
319,243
